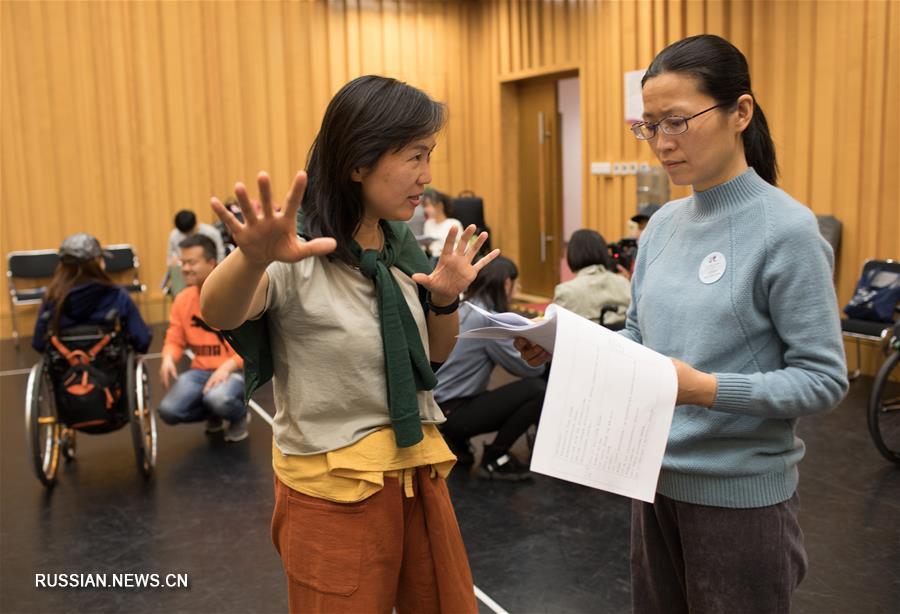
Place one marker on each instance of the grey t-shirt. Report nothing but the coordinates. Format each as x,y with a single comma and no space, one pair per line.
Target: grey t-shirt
329,377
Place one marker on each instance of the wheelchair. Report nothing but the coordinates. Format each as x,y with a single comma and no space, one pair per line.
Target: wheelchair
884,401
52,423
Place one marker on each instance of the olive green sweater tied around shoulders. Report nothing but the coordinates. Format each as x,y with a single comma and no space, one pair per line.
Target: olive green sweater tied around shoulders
406,365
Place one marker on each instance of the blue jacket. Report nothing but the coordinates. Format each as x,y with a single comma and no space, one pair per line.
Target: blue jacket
467,370
90,304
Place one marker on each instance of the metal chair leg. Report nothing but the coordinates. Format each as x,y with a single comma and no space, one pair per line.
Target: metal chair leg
12,317
852,375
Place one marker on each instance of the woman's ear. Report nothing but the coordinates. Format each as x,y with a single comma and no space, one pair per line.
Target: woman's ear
356,175
745,107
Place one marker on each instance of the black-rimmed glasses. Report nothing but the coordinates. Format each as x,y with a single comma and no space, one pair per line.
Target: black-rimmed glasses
672,125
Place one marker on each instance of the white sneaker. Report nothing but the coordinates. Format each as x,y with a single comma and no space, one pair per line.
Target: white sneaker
237,430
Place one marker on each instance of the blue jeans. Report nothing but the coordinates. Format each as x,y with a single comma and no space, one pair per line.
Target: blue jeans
186,401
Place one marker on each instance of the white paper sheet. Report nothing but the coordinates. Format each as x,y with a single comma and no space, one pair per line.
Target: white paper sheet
608,407
511,325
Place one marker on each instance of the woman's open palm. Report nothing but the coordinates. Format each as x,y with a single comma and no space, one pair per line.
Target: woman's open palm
270,235
454,270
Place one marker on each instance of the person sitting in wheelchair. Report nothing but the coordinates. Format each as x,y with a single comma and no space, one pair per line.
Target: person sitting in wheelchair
80,292
213,387
85,328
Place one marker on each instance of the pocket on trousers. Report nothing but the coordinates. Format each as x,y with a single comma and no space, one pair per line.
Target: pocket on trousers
325,544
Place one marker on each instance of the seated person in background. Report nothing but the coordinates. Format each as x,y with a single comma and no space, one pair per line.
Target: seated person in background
81,292
185,226
213,388
641,219
438,222
594,285
232,205
636,226
462,392
417,222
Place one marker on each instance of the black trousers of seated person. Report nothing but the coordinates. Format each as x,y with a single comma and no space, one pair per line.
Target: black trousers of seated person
509,410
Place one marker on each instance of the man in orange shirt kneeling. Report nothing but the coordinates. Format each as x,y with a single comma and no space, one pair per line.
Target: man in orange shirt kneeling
213,387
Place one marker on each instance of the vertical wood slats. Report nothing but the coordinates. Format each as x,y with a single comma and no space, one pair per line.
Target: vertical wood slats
116,115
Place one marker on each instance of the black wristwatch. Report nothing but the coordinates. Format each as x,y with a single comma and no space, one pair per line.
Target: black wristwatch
442,311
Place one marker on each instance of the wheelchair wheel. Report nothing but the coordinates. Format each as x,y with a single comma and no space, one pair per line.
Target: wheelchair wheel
42,424
141,416
884,411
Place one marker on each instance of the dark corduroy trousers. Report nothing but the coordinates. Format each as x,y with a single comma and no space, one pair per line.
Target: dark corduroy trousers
698,559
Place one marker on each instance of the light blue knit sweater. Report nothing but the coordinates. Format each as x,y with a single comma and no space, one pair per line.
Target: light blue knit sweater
768,329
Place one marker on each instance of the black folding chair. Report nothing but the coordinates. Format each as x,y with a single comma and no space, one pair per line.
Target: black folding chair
469,209
32,266
122,259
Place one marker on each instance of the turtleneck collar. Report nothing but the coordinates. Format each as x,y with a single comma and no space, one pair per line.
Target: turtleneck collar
728,196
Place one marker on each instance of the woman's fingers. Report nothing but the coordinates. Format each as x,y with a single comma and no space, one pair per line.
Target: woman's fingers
531,353
483,262
317,247
464,239
265,193
422,279
473,248
295,196
240,192
227,217
449,242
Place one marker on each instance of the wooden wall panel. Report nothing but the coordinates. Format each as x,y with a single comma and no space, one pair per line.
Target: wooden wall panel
116,115
826,74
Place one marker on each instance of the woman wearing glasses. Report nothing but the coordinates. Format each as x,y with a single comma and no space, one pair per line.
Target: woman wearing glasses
734,283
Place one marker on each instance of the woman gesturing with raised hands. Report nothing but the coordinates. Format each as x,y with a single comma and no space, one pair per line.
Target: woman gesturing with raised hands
348,315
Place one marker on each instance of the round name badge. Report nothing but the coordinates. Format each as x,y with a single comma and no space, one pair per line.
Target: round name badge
712,268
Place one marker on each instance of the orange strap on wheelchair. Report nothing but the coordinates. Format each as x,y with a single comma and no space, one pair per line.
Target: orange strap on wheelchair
99,346
78,356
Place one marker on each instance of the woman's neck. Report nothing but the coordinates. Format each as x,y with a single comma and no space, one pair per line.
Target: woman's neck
368,234
734,168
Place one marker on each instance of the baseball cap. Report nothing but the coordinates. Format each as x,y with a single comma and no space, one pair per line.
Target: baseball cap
81,247
645,213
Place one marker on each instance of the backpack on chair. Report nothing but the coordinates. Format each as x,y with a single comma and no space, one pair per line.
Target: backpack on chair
877,293
86,395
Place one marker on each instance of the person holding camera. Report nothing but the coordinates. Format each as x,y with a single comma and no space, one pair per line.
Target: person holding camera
595,286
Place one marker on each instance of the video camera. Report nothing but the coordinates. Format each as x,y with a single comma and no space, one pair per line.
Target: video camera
622,253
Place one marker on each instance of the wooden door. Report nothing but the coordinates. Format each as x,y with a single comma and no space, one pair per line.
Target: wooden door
540,187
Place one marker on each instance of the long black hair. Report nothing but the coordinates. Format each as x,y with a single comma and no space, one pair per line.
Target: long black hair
369,117
489,286
722,73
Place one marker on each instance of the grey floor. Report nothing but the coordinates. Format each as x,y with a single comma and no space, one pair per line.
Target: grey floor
545,546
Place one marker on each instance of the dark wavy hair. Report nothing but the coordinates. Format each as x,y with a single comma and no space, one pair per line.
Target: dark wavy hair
722,74
369,117
489,286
